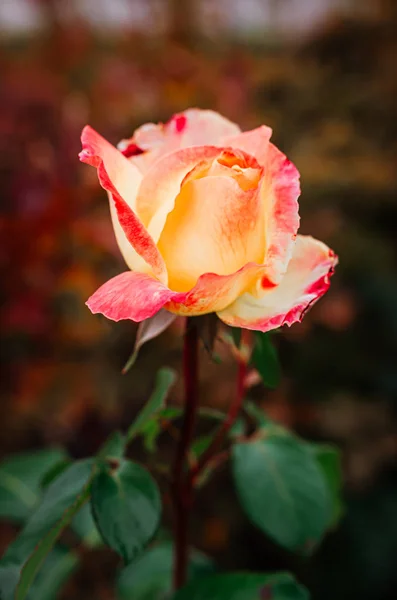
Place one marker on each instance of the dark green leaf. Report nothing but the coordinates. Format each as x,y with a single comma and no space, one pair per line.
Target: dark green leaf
237,429
114,447
84,526
150,576
207,326
244,586
148,330
164,380
127,507
329,460
265,359
154,426
55,472
236,336
36,560
282,490
201,444
9,576
57,498
257,414
20,482
57,569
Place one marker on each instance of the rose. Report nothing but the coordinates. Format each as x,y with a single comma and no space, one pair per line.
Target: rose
206,218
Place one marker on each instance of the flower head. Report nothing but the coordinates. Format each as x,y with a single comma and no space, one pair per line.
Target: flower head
206,217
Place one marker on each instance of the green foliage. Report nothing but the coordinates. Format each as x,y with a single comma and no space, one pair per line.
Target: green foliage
283,490
9,576
289,489
329,460
114,447
235,332
57,498
126,506
265,359
60,502
84,526
165,379
33,564
60,564
153,427
150,576
244,586
21,477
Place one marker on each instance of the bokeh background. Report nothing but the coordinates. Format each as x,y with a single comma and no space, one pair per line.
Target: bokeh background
322,73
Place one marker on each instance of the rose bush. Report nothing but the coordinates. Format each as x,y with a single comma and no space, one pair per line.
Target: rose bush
206,217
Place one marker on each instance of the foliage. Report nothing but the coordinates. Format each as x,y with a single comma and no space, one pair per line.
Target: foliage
288,488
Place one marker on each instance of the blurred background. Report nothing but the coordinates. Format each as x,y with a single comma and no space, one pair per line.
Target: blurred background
322,73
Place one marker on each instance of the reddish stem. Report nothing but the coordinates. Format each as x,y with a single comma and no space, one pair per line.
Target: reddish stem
230,418
182,491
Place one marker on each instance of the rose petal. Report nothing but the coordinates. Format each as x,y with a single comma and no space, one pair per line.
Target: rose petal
306,280
130,295
193,127
215,227
138,296
255,142
162,183
122,179
280,191
197,127
214,292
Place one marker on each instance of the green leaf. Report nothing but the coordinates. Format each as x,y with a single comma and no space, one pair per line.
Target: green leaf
36,560
207,327
154,426
114,447
84,526
164,380
329,460
283,490
20,482
60,564
201,444
265,359
150,576
257,414
126,507
9,576
148,330
236,336
54,472
58,497
244,586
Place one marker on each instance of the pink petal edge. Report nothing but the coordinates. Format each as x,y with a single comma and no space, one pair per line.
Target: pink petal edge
96,152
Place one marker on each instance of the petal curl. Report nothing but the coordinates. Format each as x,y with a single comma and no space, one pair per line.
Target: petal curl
254,142
214,292
192,127
215,227
122,180
280,191
306,280
162,183
197,127
138,296
130,295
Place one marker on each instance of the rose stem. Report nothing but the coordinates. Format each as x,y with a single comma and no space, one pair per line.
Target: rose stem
183,492
231,416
